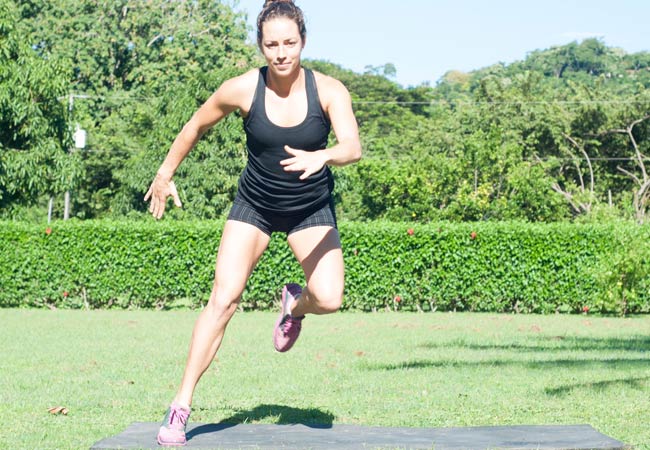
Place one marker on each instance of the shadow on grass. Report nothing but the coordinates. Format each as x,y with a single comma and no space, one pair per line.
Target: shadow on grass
287,415
635,383
550,343
546,346
619,363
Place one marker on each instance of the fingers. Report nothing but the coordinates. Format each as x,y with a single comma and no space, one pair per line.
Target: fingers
174,192
306,174
157,207
291,151
158,196
293,166
153,206
302,161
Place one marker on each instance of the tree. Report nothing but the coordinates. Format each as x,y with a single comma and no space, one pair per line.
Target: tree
34,132
129,44
145,68
641,179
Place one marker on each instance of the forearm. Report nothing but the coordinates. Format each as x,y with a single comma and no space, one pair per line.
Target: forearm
182,145
343,153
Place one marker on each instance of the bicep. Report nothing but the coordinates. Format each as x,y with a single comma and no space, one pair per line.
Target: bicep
341,115
221,103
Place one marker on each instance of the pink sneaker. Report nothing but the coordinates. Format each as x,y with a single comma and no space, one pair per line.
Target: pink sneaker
287,328
172,430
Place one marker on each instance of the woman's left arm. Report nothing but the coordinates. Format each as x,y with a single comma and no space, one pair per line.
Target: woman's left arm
338,106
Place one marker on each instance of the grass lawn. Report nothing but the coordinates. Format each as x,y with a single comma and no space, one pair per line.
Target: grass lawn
112,368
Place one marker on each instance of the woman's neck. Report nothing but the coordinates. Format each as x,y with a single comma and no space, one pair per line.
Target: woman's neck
284,86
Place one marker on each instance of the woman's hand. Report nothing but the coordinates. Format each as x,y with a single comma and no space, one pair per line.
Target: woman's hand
302,161
158,192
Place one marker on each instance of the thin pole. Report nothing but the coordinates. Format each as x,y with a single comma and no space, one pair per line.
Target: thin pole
49,210
66,206
66,201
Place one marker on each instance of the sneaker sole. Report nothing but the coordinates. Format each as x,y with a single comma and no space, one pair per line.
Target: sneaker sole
171,444
283,313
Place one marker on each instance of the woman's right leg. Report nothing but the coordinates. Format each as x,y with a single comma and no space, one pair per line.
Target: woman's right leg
241,247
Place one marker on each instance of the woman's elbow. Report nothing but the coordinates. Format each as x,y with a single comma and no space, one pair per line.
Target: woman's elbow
356,153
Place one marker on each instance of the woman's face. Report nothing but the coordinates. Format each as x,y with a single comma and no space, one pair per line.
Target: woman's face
282,45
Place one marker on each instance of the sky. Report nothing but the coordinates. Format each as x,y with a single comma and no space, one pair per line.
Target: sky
426,38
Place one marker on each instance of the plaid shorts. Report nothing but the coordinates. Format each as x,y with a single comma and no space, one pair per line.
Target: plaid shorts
242,211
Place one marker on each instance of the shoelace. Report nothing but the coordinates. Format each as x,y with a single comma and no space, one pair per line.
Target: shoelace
179,417
288,322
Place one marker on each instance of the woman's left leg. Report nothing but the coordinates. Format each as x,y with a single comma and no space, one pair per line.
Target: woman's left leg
318,250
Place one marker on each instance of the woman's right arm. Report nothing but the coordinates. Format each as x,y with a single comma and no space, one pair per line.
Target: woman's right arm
231,95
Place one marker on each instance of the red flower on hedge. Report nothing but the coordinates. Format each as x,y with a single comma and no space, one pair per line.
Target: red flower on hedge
65,294
473,235
410,231
397,299
48,231
585,309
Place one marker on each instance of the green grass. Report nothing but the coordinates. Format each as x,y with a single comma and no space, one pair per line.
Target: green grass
112,368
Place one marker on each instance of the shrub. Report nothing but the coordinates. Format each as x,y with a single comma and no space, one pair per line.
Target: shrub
496,267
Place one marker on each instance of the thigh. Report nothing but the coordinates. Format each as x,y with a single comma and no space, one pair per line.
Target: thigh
241,246
318,250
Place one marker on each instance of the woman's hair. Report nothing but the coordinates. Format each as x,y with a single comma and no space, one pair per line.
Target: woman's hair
280,8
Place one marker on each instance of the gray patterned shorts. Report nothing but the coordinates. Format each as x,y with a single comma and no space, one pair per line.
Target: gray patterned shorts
242,211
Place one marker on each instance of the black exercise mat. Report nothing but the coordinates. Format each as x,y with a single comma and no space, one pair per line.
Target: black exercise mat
238,436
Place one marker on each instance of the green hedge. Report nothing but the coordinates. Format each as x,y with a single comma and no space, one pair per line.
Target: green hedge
498,267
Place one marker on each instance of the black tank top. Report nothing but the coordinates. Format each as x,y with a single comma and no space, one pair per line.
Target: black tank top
264,183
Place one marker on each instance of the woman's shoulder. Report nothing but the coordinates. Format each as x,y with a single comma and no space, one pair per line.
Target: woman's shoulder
245,81
326,81
329,87
238,91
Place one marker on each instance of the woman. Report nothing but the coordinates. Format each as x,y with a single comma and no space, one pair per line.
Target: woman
286,186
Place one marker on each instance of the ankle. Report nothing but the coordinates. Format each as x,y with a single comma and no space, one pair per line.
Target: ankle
296,312
183,404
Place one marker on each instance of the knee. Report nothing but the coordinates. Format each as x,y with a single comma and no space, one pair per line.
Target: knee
223,300
328,299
